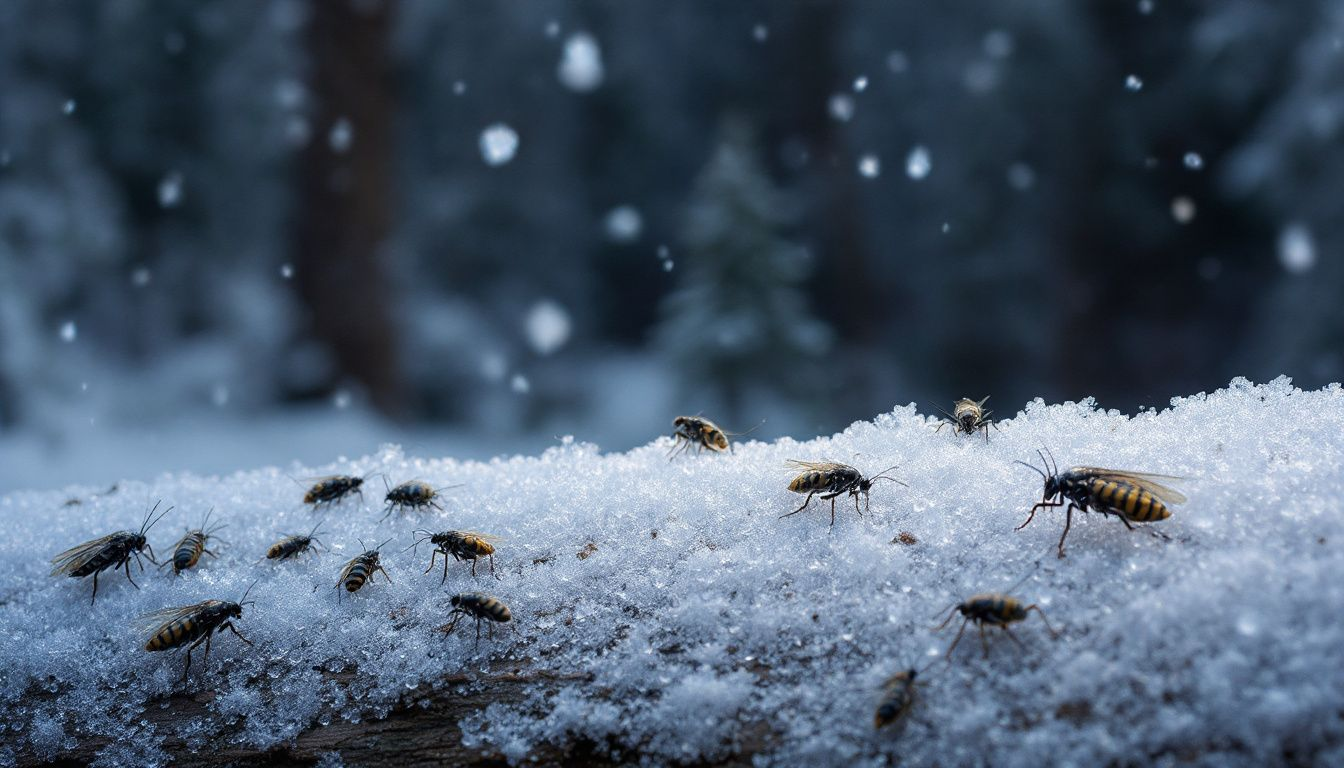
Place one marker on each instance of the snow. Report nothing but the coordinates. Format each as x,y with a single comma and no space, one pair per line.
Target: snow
918,163
170,190
1133,83
870,166
1193,161
1297,249
499,143
1183,210
623,224
702,618
548,327
841,107
580,67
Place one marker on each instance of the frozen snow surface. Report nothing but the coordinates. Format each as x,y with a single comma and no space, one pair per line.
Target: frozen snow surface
706,625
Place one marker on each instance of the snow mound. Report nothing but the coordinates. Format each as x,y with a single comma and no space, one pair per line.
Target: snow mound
703,625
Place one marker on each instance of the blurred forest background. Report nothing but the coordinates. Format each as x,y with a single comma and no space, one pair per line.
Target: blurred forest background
245,232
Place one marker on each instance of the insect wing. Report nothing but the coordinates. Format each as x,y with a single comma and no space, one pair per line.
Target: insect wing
1146,481
76,557
154,622
819,466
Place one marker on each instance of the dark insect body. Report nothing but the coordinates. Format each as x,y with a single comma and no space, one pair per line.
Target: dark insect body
1133,497
969,415
413,494
175,627
898,695
831,480
700,432
334,488
293,546
111,551
190,547
461,545
360,569
479,606
994,609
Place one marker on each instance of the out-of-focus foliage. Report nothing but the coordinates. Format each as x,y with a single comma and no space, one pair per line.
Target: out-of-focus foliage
1121,199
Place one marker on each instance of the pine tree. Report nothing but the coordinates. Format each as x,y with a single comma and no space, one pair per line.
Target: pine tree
739,319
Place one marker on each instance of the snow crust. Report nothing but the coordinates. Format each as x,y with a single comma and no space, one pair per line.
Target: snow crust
708,625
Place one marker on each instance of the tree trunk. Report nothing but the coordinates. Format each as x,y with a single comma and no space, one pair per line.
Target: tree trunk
345,189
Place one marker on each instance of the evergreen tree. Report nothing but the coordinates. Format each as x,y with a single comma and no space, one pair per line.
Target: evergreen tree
739,318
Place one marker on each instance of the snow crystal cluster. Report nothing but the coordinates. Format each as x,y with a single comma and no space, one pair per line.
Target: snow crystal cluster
696,624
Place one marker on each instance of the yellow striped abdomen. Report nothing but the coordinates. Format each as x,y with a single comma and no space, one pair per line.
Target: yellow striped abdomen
1129,500
808,481
355,578
177,633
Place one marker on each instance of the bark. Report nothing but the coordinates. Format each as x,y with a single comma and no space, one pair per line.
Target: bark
344,211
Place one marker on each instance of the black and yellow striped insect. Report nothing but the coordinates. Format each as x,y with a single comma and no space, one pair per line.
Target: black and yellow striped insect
480,606
702,433
461,545
111,551
294,545
1134,497
361,568
175,627
996,609
334,488
967,416
413,494
188,550
831,480
898,696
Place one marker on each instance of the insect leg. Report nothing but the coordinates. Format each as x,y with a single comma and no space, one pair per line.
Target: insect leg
1037,609
948,655
1014,637
1039,505
800,509
127,562
492,567
832,511
984,644
433,556
473,567
389,578
235,631
95,588
1068,521
856,502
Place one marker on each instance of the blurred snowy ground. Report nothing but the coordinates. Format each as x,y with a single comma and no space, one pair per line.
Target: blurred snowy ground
702,618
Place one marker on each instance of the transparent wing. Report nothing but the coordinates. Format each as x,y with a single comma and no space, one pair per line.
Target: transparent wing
486,537
1147,481
76,557
819,466
154,621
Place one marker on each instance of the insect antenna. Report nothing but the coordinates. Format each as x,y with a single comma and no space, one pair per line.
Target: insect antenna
146,525
951,611
380,546
748,432
421,536
883,476
248,591
1032,467
446,487
1054,465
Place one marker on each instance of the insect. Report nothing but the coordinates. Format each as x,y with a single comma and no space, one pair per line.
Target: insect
898,695
190,547
175,627
1134,497
480,606
333,488
361,568
111,551
831,480
995,609
462,545
413,494
969,415
294,545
